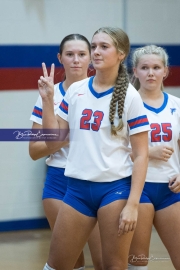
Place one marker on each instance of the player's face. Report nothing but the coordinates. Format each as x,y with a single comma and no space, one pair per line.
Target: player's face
75,59
150,71
104,54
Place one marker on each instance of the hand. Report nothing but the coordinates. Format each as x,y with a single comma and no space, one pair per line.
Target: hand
160,152
174,184
128,219
46,83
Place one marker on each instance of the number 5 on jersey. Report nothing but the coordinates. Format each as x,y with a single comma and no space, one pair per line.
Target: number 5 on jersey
165,128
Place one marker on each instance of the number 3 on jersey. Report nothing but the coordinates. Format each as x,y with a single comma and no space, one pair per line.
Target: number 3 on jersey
156,129
85,119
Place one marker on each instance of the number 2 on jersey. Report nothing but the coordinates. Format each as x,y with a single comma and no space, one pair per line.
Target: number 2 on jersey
156,130
85,119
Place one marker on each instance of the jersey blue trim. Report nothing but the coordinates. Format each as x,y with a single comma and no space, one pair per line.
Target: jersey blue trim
98,95
138,122
39,115
64,106
62,89
158,110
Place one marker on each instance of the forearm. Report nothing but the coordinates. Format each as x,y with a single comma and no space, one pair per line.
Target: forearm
152,153
138,179
39,150
50,123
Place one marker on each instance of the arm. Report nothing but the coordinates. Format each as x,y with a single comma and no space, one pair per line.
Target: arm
128,217
39,149
50,121
174,182
160,152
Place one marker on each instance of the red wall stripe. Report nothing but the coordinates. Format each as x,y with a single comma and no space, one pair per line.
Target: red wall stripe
26,78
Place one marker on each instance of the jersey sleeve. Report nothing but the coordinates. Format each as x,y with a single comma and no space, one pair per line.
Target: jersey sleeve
64,106
136,117
36,115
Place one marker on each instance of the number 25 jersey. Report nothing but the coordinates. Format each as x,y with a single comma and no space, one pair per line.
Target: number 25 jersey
165,130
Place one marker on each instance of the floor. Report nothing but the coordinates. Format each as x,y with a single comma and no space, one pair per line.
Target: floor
28,250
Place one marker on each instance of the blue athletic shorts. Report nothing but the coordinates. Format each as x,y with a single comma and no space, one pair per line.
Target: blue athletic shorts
159,195
55,185
87,196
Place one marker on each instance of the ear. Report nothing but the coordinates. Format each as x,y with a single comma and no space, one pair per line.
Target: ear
135,72
166,72
121,56
59,58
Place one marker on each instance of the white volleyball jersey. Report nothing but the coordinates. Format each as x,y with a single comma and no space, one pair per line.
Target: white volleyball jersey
165,130
59,158
94,153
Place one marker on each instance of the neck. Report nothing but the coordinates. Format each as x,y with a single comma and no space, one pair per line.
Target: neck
152,98
150,94
104,80
68,81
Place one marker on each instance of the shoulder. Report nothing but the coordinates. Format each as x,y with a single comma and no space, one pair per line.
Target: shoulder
80,84
132,93
78,87
173,98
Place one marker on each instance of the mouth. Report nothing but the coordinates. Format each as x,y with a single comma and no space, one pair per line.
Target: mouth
97,60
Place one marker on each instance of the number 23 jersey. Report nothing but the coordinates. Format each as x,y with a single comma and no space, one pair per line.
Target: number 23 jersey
165,130
95,154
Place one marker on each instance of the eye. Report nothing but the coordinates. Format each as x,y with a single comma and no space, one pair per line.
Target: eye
93,47
104,46
156,67
82,54
69,54
144,67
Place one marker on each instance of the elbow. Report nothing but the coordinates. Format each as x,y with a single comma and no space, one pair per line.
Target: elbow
33,156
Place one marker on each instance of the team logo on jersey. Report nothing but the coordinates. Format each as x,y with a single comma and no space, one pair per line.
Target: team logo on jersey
172,110
56,103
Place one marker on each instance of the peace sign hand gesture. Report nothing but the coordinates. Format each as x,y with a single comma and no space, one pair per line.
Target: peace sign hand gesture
46,83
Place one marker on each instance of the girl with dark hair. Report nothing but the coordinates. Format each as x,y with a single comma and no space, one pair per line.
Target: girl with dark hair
74,54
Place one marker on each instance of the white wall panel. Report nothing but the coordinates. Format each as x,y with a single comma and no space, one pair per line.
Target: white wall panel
47,22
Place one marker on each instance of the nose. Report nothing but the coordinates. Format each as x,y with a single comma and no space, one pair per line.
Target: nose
150,73
96,51
76,58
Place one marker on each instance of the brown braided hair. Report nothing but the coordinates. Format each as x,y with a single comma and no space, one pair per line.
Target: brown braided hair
121,42
118,96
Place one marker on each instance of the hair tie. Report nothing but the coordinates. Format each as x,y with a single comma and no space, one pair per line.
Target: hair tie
112,123
120,117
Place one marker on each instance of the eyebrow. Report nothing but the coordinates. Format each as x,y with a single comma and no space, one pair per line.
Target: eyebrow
78,51
100,43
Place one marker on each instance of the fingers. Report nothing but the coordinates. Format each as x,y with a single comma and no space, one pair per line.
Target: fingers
167,152
126,227
45,73
169,149
174,185
52,72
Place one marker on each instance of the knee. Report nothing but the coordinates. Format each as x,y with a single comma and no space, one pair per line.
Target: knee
98,266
